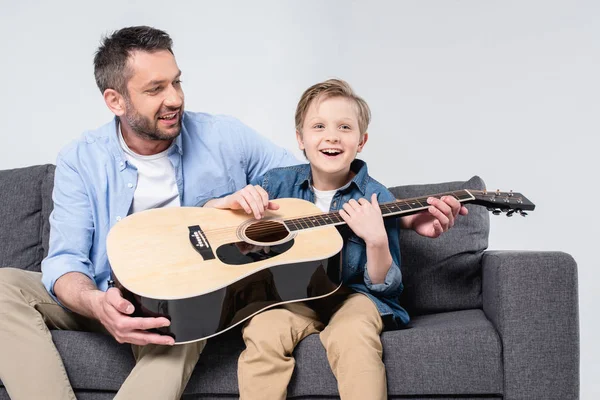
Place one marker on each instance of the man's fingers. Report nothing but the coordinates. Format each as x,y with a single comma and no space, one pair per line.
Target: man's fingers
115,299
273,206
143,338
254,200
263,194
143,324
442,219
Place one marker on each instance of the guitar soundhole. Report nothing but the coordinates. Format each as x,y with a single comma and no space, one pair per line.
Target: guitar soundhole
266,232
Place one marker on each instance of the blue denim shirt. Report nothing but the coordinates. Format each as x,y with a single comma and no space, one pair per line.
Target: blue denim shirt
94,185
295,181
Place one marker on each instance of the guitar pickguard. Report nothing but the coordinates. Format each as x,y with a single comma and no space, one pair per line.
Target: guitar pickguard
241,253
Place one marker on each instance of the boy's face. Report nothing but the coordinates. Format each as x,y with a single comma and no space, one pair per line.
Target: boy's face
330,135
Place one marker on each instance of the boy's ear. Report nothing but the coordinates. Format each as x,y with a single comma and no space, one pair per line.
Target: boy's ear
363,141
299,139
115,102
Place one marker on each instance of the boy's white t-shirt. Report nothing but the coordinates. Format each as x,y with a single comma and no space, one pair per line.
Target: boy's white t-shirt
156,184
323,198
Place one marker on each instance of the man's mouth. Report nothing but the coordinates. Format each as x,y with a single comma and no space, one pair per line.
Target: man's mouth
169,118
331,153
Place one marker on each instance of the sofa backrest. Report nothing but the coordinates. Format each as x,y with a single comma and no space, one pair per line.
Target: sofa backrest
444,274
25,206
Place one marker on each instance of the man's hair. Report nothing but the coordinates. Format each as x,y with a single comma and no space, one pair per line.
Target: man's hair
110,62
332,88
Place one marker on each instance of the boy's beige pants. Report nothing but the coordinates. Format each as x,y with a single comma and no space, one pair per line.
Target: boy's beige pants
27,312
351,339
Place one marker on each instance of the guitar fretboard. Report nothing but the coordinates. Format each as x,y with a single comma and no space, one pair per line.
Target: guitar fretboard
394,208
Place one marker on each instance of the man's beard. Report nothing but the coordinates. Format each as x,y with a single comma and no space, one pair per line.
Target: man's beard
146,128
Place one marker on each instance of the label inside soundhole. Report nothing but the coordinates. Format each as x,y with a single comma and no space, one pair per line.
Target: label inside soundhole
266,232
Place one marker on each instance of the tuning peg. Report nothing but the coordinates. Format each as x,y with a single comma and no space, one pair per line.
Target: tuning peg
523,213
497,211
497,192
510,213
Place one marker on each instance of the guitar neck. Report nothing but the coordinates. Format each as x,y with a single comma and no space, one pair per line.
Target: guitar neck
396,208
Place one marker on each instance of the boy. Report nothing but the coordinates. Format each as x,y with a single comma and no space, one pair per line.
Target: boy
331,128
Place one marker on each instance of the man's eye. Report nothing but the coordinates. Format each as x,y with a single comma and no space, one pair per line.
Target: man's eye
177,82
154,89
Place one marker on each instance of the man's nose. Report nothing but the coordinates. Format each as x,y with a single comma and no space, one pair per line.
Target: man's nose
174,97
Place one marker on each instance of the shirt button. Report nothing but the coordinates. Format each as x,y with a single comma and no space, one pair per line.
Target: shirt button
121,163
118,218
130,185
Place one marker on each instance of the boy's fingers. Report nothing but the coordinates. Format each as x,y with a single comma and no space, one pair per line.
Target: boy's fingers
374,200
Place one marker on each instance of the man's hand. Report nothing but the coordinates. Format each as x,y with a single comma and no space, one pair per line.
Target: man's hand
364,218
252,199
437,219
112,310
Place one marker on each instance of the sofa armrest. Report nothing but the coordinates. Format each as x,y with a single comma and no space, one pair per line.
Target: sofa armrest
531,298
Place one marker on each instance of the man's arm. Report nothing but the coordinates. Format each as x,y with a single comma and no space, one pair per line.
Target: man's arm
260,154
67,272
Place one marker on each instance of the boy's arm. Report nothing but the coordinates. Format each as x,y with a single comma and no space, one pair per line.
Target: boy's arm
382,273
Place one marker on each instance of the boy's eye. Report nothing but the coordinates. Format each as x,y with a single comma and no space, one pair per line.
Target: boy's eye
345,127
319,126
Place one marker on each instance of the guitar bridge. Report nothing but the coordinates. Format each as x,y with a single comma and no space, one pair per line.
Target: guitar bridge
200,242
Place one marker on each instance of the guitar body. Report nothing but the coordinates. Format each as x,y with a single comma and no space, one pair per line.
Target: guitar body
208,270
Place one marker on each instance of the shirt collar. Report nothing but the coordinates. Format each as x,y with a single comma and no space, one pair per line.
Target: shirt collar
359,167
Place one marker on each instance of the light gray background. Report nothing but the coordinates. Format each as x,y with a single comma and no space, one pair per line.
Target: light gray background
508,90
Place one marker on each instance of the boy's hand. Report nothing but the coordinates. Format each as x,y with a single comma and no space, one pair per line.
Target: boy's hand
437,219
252,199
364,218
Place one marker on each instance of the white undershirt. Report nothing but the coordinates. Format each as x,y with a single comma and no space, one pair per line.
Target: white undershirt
323,198
156,184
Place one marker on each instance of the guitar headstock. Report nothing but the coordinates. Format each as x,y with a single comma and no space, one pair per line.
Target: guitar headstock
498,202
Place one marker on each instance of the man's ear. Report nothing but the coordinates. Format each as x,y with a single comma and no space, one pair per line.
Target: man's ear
363,141
299,139
115,102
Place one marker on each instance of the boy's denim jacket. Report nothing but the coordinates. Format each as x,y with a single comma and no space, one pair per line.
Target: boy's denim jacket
295,181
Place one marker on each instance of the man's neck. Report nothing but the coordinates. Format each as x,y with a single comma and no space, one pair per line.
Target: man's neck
141,146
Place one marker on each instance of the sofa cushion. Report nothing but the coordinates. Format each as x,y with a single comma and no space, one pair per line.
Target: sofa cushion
450,354
22,216
444,274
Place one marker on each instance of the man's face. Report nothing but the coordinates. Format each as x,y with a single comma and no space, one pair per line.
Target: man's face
154,105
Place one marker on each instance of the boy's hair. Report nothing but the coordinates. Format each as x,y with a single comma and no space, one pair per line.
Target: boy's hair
332,88
110,61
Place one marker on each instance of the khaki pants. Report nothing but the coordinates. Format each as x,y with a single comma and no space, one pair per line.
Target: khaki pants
351,340
27,312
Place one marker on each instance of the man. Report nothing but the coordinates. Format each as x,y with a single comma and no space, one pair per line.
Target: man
153,154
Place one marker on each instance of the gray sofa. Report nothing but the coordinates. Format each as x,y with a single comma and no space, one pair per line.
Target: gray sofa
485,324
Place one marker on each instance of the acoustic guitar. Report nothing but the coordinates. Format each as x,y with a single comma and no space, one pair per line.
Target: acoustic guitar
207,270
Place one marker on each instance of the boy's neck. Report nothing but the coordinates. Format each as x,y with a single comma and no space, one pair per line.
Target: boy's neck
328,181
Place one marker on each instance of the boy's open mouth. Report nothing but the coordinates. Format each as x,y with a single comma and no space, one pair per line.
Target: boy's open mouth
332,153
